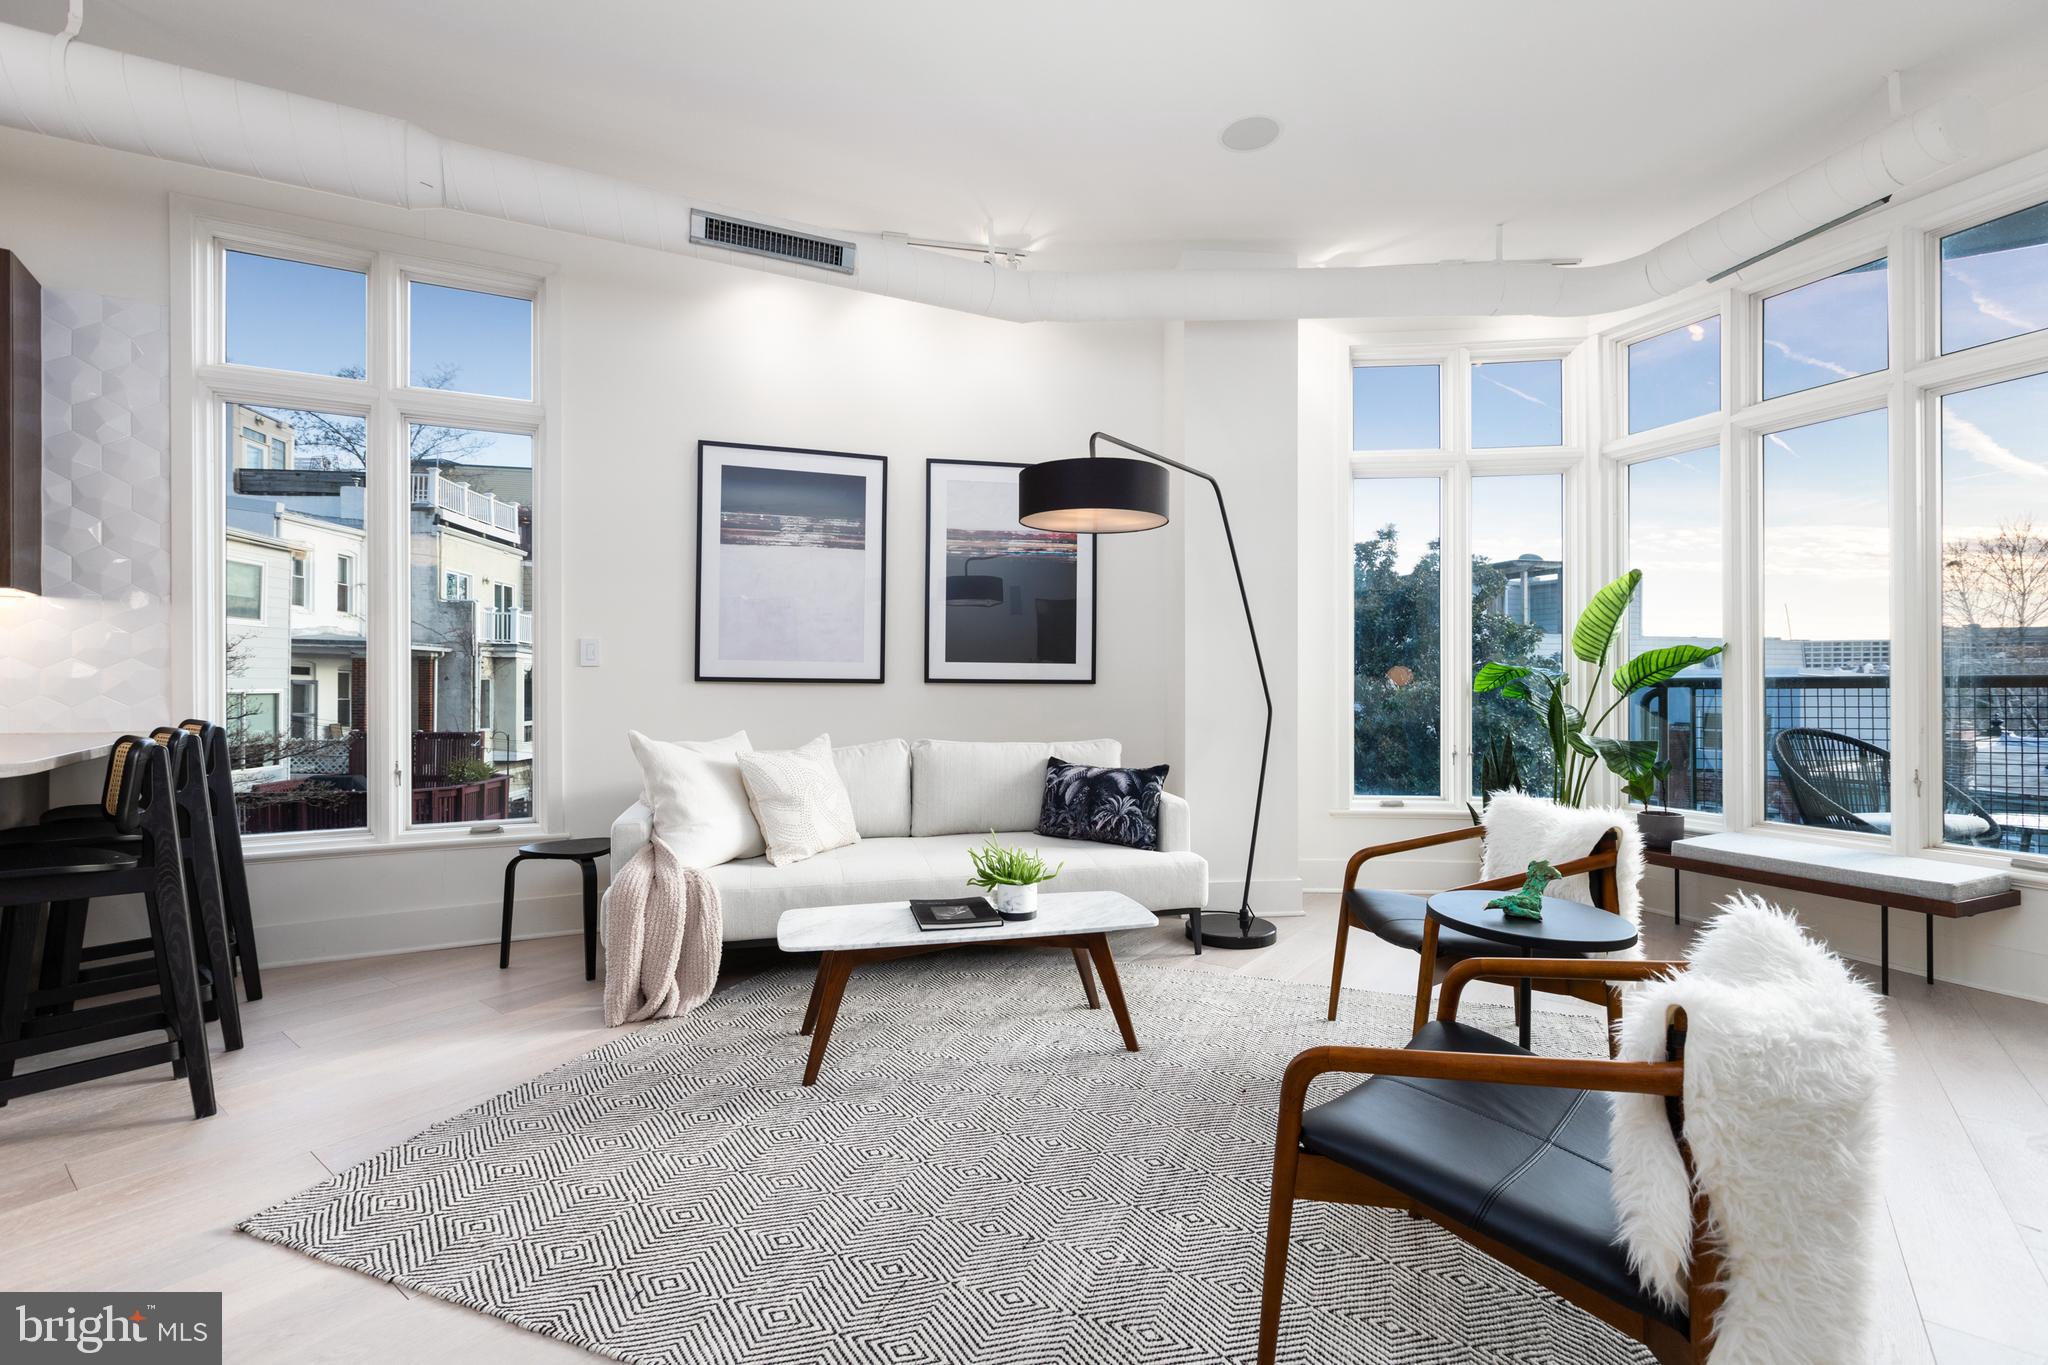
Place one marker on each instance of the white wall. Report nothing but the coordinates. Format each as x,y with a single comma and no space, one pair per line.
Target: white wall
656,353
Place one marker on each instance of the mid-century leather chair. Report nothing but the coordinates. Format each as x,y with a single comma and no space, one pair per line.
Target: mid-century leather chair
140,804
1452,1127
1399,918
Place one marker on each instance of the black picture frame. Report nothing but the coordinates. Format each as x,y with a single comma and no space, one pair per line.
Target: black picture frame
874,469
1087,562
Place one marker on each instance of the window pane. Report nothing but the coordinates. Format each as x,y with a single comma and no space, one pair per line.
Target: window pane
245,590
1994,638
1829,330
1994,280
471,342
1517,611
1396,407
1517,403
1674,537
1397,633
472,528
1675,376
1827,624
297,748
289,315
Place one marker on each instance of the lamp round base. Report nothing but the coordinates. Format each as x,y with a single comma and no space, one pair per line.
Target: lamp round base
1223,929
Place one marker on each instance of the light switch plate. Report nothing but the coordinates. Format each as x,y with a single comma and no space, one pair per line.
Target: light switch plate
586,653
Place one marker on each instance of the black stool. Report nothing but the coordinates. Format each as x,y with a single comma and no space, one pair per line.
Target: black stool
582,852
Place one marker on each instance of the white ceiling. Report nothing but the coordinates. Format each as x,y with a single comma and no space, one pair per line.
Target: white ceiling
1594,128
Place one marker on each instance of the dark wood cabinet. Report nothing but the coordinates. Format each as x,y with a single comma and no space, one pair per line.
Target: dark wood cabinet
21,427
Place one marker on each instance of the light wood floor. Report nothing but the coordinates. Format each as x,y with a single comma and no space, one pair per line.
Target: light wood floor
112,1186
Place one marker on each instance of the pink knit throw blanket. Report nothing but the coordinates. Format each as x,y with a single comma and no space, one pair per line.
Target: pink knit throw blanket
663,938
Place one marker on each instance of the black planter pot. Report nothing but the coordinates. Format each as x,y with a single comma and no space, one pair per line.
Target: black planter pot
1660,828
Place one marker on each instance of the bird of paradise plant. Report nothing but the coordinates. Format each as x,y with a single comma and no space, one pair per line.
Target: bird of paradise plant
1576,744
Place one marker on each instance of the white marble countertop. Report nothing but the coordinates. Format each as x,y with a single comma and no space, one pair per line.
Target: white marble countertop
889,924
24,755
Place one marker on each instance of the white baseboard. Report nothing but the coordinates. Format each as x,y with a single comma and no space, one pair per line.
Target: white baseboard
1274,897
417,930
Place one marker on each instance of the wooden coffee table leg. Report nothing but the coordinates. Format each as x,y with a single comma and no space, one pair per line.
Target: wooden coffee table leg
832,983
1087,977
817,991
1105,967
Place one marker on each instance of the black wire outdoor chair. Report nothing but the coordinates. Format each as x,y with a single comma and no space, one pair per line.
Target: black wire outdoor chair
1841,782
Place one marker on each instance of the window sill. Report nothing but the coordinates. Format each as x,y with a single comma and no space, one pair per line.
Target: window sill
283,848
1411,808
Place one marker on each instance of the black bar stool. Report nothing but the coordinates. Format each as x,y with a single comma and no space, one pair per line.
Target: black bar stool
140,802
584,853
71,971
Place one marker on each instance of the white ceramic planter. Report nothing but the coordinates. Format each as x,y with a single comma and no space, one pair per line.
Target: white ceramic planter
1017,902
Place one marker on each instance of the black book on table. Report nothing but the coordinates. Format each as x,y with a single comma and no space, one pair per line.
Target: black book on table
961,912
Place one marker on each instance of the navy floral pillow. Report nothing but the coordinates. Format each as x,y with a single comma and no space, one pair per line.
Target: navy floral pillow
1102,805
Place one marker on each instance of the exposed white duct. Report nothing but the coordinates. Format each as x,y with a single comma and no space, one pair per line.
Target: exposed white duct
75,90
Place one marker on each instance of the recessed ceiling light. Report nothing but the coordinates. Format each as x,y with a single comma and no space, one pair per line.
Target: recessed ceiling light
1250,134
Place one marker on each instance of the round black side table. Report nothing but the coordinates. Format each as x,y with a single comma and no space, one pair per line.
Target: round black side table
584,853
1567,929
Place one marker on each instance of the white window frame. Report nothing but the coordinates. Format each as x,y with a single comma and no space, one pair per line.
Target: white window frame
1455,464
347,590
450,576
204,389
1909,389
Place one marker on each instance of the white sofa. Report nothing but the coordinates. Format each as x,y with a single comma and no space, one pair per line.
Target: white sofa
920,806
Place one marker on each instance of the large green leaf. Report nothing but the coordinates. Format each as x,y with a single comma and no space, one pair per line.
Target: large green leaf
1506,678
1655,666
1624,756
1593,635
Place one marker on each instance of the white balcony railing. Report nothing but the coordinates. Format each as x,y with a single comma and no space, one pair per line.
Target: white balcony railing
458,503
502,627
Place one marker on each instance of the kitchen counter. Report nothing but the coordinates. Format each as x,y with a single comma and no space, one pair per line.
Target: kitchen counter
23,755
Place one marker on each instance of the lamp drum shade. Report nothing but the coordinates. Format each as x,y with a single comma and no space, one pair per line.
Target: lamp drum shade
1092,495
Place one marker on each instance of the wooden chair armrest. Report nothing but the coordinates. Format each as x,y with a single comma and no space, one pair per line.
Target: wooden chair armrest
1591,863
1544,969
1449,836
1630,1078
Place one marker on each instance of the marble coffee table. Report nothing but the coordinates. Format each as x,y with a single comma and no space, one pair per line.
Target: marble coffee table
849,935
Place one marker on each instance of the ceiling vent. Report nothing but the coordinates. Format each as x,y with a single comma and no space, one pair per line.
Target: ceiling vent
756,239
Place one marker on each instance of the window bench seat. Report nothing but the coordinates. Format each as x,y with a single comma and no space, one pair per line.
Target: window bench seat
1873,876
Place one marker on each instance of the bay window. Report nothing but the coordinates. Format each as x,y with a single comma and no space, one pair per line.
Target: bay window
1673,536
375,424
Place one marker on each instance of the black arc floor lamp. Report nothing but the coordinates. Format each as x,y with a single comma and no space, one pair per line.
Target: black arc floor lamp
1107,495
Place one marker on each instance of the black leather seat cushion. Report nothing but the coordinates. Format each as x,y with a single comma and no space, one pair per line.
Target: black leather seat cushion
1526,1165
1396,917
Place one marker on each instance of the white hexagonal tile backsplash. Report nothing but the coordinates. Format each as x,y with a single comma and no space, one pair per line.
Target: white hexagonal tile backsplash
94,651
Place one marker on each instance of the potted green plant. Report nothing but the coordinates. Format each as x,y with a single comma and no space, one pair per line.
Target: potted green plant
1642,770
1010,876
1574,739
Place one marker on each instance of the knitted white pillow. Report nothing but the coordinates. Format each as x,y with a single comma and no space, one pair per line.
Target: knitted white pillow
799,800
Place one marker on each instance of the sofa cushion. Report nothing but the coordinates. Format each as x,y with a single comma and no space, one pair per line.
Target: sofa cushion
798,800
973,787
752,895
699,803
877,778
1104,805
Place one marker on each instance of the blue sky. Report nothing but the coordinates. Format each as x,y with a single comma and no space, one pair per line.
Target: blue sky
1826,331
1675,375
1674,537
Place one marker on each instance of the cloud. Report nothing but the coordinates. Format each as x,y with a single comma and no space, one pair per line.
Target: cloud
1966,436
1841,371
1988,306
1525,397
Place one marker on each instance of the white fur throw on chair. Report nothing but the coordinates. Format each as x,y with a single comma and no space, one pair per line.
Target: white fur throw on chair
1786,1065
1522,828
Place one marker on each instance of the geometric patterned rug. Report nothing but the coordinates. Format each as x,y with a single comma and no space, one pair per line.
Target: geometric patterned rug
982,1174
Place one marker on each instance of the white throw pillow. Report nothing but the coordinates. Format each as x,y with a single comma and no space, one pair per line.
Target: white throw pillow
799,800
699,804
877,778
972,787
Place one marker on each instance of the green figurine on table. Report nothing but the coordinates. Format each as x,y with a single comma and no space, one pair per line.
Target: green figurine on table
1527,903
